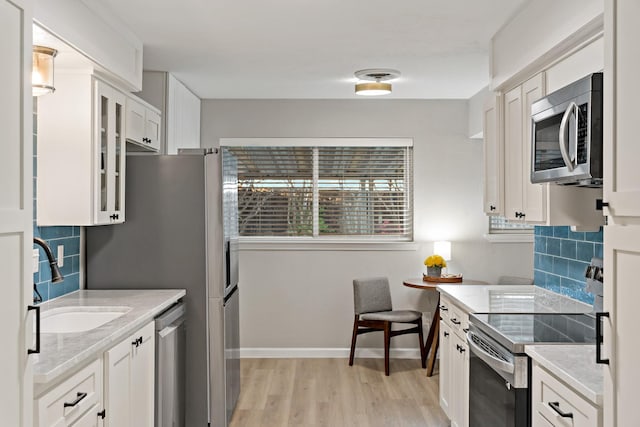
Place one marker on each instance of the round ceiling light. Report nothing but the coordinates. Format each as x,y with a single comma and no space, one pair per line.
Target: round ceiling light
374,78
42,72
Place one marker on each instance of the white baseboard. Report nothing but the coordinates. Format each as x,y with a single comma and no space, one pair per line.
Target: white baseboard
326,353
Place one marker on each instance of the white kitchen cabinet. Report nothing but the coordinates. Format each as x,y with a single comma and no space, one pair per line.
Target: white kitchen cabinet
523,201
493,150
129,380
622,193
179,107
454,363
76,398
143,125
445,367
553,403
16,213
81,153
459,404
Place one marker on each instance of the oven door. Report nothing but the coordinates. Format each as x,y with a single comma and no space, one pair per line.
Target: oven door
560,138
493,400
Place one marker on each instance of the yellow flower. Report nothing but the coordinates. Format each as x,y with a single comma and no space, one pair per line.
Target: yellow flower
435,261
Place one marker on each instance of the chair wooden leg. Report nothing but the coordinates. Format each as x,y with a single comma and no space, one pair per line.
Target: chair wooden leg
387,342
354,337
423,355
434,351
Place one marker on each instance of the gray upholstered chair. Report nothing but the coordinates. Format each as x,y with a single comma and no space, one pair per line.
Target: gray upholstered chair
374,312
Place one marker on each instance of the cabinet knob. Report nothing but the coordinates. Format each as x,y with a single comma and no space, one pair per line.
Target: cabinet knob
114,216
102,413
493,208
446,334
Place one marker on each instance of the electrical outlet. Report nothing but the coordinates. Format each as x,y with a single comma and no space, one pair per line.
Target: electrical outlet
36,260
60,255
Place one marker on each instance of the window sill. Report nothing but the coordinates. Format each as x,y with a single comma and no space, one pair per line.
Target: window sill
325,245
509,238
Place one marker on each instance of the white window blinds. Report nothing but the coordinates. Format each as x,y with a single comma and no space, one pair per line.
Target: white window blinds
325,191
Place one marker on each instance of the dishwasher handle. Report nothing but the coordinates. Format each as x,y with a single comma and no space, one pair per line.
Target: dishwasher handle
169,316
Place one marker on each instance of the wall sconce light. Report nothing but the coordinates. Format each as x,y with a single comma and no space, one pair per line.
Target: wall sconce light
42,73
374,79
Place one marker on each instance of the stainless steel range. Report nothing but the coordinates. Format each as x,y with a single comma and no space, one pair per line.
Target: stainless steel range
499,370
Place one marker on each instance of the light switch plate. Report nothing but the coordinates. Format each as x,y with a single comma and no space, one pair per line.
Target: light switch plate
36,260
60,257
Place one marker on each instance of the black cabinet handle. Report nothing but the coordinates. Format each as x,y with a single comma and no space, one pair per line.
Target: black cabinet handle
458,347
446,334
493,208
37,349
455,321
135,342
462,349
79,397
114,216
140,341
102,413
443,308
556,407
465,330
600,204
600,339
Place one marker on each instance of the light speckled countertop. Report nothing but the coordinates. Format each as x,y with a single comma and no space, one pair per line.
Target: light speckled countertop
62,353
574,365
511,299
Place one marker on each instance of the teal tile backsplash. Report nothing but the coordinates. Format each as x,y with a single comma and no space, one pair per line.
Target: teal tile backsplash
561,257
69,236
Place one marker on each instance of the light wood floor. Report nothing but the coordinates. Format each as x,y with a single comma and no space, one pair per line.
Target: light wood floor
327,392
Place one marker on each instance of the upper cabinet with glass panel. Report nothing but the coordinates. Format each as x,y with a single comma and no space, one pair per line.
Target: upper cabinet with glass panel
80,153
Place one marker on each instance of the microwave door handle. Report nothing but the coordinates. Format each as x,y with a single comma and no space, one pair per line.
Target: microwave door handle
562,137
573,143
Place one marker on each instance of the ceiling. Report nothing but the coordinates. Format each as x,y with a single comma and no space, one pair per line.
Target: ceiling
311,48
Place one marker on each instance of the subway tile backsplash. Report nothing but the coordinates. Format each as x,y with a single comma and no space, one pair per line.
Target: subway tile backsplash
69,236
561,257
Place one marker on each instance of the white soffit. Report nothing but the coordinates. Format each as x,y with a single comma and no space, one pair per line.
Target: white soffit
300,49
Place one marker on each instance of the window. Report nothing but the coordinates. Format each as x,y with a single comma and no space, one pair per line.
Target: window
320,191
501,225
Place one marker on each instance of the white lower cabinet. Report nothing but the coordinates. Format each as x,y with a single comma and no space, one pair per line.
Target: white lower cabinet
445,367
91,418
73,398
459,404
129,380
454,363
116,390
556,404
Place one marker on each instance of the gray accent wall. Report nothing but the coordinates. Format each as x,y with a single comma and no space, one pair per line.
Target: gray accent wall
297,297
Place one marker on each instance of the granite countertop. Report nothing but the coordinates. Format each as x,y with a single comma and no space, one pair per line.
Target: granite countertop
61,353
511,299
575,365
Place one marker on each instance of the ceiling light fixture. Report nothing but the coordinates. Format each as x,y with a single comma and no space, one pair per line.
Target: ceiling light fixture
42,73
372,81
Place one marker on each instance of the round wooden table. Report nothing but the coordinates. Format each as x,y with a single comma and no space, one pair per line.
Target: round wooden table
434,329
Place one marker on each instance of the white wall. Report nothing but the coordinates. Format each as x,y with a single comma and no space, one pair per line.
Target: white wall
475,109
304,298
542,30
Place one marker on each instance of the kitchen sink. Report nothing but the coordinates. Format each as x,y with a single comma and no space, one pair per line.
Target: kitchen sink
66,320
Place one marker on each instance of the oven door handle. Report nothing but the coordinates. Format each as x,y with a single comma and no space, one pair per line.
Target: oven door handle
492,361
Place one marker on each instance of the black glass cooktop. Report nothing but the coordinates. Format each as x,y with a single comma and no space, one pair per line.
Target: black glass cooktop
514,331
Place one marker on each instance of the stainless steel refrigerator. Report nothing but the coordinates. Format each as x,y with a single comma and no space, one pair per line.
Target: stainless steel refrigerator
181,231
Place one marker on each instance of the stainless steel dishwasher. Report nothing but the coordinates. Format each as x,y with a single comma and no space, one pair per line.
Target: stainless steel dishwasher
170,365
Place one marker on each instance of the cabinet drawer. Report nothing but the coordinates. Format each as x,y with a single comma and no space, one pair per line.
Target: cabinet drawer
65,403
549,392
445,306
459,320
90,419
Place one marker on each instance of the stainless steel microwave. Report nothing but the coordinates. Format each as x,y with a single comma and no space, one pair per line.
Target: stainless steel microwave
566,135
